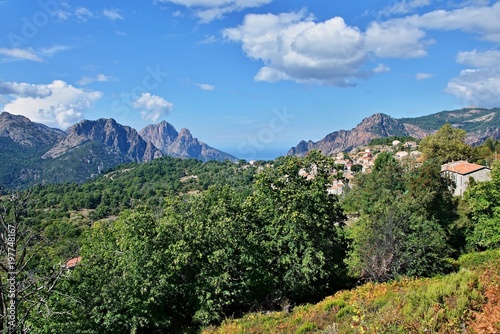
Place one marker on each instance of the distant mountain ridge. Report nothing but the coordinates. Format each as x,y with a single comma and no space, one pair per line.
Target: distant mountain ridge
27,133
479,123
122,140
33,153
181,144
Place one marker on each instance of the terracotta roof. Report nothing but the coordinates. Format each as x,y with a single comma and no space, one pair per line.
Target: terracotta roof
461,167
73,262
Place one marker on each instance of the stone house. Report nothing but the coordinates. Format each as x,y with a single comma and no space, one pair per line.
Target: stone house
461,171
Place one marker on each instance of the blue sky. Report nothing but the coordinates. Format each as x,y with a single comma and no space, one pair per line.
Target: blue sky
251,77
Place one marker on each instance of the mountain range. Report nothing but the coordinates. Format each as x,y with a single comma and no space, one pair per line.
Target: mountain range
33,153
479,124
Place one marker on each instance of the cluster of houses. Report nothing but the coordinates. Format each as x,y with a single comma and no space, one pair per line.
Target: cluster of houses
362,160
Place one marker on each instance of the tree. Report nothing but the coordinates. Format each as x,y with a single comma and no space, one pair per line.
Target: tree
25,281
300,226
447,144
403,218
484,205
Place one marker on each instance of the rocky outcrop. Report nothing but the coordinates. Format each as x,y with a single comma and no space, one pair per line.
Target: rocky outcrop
479,123
181,144
375,126
27,133
122,140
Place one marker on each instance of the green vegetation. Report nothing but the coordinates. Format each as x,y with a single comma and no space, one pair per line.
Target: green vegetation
179,245
466,118
445,304
483,199
447,144
402,226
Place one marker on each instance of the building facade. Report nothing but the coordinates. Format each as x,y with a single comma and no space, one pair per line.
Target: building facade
460,172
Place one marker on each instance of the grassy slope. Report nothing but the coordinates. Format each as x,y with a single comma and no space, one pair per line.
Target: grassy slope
465,301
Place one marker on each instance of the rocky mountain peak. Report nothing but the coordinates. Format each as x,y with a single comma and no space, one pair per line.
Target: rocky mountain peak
181,144
122,140
27,133
375,126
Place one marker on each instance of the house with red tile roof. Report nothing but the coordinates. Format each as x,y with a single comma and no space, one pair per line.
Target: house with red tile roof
460,173
73,262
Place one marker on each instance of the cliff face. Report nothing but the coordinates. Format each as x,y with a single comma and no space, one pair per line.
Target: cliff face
26,133
181,144
375,126
479,123
120,140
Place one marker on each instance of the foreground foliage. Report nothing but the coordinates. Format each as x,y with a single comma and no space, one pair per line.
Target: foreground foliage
483,199
210,256
463,301
404,213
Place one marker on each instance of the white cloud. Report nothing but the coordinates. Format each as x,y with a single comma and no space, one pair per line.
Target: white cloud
393,40
479,87
381,68
422,76
209,39
83,14
112,14
99,78
152,107
481,20
204,86
54,50
65,106
404,7
24,89
120,33
476,58
294,47
209,10
20,54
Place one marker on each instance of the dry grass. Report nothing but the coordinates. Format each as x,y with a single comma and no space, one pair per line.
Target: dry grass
467,301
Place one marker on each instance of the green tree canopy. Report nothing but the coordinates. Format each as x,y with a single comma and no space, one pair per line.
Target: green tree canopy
403,218
447,144
484,205
301,225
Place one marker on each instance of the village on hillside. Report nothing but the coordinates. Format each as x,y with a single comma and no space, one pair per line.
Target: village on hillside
362,158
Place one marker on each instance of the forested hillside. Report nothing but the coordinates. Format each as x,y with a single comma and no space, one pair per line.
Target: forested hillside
177,246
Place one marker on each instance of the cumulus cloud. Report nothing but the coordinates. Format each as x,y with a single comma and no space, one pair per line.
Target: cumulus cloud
293,46
63,107
209,10
152,107
480,20
392,39
98,78
24,89
422,76
479,87
479,59
20,54
112,14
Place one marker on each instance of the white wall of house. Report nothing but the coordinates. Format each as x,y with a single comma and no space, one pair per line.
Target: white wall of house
462,181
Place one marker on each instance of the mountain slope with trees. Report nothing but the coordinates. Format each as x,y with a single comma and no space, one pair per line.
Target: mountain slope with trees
480,124
35,154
